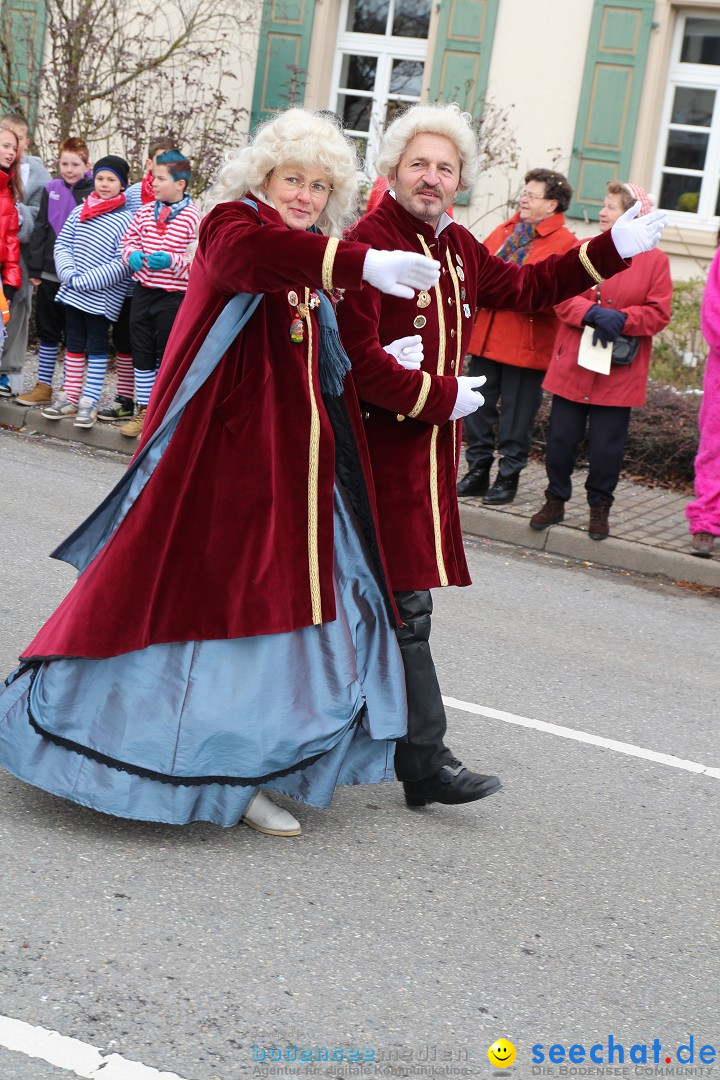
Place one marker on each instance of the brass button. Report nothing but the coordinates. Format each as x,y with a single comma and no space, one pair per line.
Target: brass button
450,300
366,416
452,332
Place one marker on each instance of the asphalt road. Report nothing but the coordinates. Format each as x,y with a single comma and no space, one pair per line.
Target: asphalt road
578,903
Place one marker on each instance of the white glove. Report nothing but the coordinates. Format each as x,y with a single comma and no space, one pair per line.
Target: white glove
633,235
408,351
400,273
468,399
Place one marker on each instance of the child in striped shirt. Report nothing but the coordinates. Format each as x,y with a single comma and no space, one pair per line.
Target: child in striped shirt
155,248
93,276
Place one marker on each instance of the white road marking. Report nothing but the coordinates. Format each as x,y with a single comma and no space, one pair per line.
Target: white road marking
583,736
76,1057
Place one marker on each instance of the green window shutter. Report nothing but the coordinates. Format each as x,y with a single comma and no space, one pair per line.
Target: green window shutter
609,100
23,36
283,51
461,62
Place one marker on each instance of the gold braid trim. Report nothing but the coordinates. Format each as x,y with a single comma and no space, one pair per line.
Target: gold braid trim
589,268
422,396
434,493
313,483
458,331
328,262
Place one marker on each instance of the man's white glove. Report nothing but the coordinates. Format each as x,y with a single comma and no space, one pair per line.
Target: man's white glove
468,399
632,234
408,351
400,273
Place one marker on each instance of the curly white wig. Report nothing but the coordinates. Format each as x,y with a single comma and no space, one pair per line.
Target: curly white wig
295,137
438,119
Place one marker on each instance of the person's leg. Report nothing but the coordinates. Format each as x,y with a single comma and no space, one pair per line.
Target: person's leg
565,432
429,770
14,352
520,399
479,429
50,326
164,312
144,358
607,435
124,406
97,332
66,403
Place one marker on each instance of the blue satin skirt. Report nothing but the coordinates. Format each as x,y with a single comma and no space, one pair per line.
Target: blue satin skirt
189,731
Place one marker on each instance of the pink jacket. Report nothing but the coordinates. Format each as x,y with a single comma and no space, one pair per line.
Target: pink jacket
643,292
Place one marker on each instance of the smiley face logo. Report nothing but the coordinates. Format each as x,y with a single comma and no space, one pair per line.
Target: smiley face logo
501,1054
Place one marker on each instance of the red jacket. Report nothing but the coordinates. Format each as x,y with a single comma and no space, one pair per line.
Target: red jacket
233,535
415,461
511,336
644,292
9,243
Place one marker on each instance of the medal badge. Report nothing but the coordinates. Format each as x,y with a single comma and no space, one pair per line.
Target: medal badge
458,260
460,272
293,298
419,321
466,311
297,330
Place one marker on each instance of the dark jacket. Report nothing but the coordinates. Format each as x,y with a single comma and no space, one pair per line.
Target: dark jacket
57,201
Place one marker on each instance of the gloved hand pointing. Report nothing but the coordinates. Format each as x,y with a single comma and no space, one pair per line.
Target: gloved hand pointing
632,234
468,399
400,273
408,351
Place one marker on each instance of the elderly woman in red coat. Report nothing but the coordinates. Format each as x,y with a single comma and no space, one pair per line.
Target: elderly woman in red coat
636,304
259,650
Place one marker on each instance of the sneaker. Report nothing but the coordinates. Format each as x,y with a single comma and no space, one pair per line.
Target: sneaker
123,408
41,394
62,408
5,389
133,428
86,413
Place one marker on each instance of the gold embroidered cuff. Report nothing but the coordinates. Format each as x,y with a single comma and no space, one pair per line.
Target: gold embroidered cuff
327,263
590,269
423,396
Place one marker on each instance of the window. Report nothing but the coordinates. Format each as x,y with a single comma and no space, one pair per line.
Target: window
379,66
688,171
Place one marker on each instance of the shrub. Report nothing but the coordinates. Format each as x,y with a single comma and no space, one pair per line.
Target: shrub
681,339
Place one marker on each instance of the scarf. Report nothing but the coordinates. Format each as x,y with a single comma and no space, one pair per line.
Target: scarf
146,188
94,206
334,361
165,212
517,246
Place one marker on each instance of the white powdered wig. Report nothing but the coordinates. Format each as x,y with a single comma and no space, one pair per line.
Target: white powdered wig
438,119
295,137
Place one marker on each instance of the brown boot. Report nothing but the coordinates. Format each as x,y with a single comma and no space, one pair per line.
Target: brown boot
598,527
551,512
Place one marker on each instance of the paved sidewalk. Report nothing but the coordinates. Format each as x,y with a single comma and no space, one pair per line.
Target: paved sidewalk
649,533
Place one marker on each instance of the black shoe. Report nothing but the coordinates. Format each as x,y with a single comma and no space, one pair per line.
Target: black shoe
123,408
503,490
450,785
475,482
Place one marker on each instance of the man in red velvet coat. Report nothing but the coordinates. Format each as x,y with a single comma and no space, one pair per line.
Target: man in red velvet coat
429,153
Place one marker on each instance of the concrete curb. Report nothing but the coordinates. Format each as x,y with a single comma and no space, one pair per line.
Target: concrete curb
31,421
571,543
576,544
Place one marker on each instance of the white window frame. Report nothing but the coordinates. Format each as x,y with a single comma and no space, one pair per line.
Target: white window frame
386,49
693,77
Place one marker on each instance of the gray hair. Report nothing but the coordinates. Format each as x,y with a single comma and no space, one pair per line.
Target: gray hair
295,137
438,119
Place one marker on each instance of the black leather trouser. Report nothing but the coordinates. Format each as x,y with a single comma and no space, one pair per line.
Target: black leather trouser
423,752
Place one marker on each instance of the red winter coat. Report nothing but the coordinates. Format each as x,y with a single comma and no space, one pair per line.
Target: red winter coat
512,337
9,243
644,292
415,460
233,535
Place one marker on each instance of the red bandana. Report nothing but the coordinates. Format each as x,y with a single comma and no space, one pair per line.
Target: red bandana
146,189
94,205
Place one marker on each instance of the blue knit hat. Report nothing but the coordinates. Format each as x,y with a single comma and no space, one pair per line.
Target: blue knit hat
114,164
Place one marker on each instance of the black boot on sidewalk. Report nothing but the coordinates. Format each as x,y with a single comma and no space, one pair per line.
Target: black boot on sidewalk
475,482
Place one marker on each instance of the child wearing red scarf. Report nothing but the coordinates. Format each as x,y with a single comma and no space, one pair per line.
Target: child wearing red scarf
88,260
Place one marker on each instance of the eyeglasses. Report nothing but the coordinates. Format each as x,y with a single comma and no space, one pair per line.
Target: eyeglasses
318,188
529,195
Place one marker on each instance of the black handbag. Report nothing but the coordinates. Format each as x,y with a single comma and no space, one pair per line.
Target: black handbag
625,349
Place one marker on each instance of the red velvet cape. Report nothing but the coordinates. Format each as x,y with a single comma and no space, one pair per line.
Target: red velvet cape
415,461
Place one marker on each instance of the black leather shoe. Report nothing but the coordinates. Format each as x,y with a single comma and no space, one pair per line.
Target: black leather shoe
475,482
450,785
503,491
